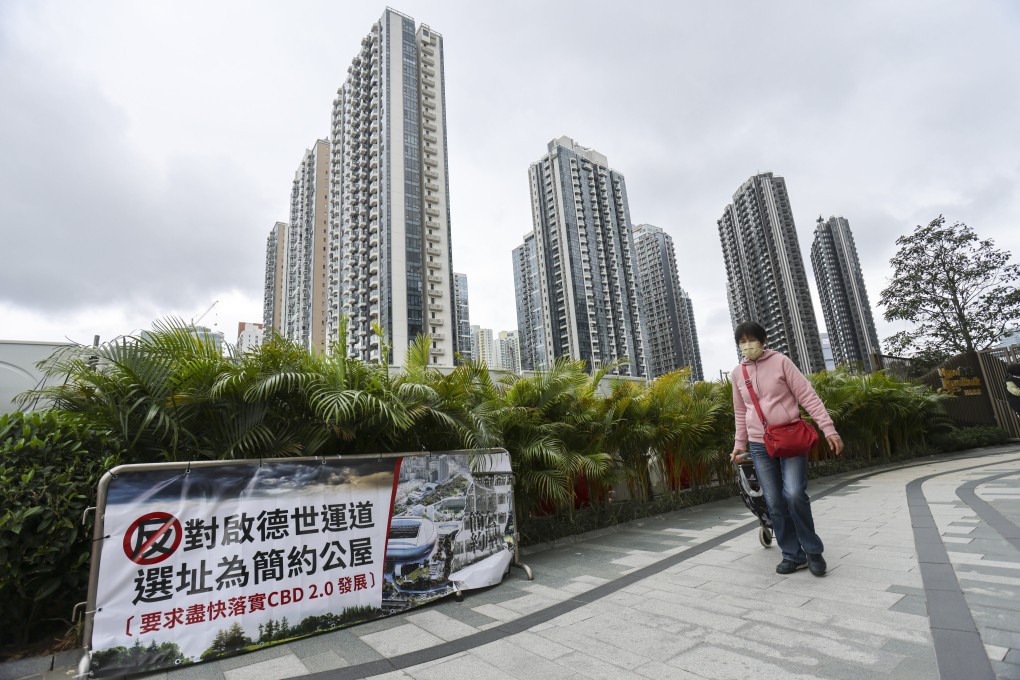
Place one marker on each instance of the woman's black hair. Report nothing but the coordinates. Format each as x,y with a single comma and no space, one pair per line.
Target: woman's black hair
751,329
1013,369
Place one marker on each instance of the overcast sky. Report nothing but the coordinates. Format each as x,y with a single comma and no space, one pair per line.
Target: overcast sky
146,149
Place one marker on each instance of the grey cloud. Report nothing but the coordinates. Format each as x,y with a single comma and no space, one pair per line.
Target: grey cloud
885,113
91,220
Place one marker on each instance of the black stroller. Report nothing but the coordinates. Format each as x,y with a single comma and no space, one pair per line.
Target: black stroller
754,499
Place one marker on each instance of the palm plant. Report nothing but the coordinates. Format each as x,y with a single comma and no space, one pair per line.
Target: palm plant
147,390
627,423
546,423
691,429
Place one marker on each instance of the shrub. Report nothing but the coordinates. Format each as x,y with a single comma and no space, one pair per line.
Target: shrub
50,465
969,438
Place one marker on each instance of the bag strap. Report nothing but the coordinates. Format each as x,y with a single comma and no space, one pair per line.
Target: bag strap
754,397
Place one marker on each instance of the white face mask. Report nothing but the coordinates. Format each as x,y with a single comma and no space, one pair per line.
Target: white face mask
751,349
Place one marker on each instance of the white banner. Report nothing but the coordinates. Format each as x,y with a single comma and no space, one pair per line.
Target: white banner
219,559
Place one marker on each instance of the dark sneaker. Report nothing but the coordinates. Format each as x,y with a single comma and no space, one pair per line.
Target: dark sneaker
789,566
816,563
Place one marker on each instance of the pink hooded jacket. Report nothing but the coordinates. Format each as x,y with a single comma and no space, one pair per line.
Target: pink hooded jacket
780,387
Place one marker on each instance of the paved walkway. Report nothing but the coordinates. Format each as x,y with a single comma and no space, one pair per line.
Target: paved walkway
924,582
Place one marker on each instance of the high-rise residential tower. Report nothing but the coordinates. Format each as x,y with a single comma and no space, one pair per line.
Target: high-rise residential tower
530,312
305,301
391,261
508,352
249,336
583,268
483,347
276,278
668,315
766,280
462,316
844,298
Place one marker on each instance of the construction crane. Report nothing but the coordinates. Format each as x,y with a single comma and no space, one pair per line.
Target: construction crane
202,315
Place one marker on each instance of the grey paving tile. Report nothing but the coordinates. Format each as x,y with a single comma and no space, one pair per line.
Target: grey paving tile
198,671
400,640
949,610
1006,671
916,668
692,615
592,649
369,627
232,662
542,646
441,625
392,675
994,617
288,666
826,642
597,669
519,661
939,577
912,605
909,649
718,663
353,649
324,661
25,668
656,670
316,644
466,667
647,641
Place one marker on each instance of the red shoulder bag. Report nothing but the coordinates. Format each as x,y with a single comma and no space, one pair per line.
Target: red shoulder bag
795,438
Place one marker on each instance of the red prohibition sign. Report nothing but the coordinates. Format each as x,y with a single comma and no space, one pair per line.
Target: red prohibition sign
146,540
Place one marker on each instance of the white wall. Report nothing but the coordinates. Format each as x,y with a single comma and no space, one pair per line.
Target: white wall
17,368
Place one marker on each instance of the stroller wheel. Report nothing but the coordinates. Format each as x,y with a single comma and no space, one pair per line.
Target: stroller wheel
765,537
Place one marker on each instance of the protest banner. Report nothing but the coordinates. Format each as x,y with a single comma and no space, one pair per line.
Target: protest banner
195,562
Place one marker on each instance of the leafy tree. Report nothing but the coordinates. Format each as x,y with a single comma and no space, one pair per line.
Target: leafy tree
228,641
958,290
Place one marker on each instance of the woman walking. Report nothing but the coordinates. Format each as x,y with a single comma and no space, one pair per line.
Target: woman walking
781,389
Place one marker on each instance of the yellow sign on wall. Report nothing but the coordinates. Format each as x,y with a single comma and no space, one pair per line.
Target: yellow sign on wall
954,383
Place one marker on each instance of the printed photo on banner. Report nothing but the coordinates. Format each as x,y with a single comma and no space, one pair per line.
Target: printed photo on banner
444,519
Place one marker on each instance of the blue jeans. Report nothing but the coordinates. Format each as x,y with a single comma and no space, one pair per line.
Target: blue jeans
784,482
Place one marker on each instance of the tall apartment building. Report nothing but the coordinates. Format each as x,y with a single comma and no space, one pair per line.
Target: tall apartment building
462,316
583,270
390,254
766,281
844,298
249,336
508,352
276,277
830,362
483,347
304,308
530,312
668,314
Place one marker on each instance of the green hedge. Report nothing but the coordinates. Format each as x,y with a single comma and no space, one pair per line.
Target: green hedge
50,465
959,439
543,529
